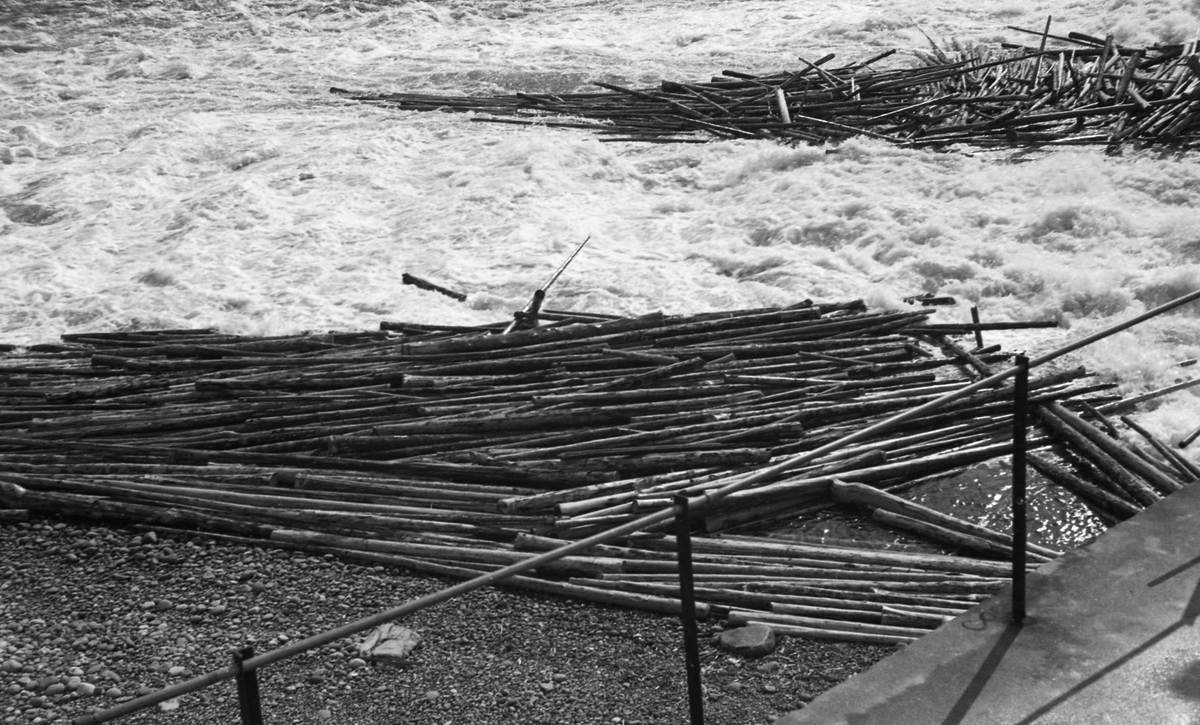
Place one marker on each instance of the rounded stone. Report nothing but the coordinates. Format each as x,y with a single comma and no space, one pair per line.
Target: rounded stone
753,640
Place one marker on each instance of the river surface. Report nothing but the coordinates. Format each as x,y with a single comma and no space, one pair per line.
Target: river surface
182,164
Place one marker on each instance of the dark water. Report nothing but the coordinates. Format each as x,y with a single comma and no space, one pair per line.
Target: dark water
981,494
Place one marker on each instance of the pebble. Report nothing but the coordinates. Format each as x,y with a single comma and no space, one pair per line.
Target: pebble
13,665
85,689
546,686
357,663
770,688
559,677
113,692
432,695
324,714
57,688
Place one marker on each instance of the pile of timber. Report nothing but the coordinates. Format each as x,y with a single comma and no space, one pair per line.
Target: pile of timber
458,450
1073,89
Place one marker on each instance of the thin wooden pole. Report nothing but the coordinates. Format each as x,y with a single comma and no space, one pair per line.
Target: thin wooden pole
687,601
1020,416
978,329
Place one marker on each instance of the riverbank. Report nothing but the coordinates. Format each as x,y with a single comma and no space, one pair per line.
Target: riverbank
129,611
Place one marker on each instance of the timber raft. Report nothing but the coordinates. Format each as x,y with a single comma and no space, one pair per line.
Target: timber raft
460,450
1068,89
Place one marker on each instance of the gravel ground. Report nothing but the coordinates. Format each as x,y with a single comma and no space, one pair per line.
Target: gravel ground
91,616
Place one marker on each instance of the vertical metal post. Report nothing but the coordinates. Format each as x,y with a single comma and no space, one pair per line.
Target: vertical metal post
247,688
978,332
1020,411
687,601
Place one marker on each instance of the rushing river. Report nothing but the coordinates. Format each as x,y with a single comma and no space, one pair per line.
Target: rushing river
182,164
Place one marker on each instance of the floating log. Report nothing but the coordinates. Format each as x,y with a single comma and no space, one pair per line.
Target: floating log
1011,95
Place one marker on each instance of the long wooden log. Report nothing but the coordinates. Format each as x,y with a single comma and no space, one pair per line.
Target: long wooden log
1163,483
762,547
857,493
738,618
1138,489
1117,507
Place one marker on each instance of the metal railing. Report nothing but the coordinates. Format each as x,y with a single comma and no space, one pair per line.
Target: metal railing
245,663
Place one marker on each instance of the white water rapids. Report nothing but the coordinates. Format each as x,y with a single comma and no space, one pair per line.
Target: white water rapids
182,164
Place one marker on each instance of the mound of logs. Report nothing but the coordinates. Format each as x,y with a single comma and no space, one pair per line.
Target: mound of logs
459,450
1072,89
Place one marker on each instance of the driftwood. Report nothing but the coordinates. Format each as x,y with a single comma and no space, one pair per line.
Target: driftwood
1080,90
455,450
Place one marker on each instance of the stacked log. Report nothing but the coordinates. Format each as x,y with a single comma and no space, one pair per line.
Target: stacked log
460,450
1072,89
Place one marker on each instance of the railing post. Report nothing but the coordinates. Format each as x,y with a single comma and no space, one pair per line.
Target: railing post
1020,411
978,331
687,602
247,688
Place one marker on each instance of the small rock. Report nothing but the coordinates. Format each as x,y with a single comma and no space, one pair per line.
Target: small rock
432,695
176,671
768,688
163,605
769,667
546,686
389,642
113,692
150,537
56,689
46,682
169,705
356,663
559,677
324,714
753,640
735,687
12,665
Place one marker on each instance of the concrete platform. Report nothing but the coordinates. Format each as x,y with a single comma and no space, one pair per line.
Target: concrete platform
1110,637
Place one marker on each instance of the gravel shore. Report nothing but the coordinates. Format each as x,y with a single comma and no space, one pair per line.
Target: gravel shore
91,616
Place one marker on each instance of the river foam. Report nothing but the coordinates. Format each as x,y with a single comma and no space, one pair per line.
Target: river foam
183,165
